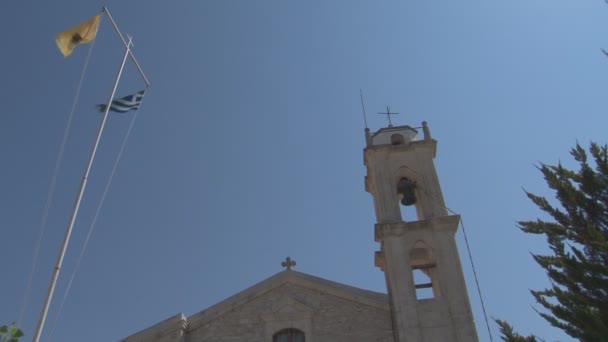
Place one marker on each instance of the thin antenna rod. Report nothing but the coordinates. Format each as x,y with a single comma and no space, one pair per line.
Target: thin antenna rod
83,184
363,107
141,72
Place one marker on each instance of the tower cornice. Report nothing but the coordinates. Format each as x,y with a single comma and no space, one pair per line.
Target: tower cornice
412,145
444,223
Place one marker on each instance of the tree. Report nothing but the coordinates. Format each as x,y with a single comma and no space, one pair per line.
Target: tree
508,335
577,301
10,333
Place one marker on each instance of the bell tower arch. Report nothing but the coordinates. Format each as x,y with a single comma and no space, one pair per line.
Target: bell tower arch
418,252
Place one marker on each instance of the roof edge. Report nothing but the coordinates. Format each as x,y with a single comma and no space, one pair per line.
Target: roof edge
372,298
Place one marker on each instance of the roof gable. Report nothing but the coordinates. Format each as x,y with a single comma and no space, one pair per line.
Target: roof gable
287,305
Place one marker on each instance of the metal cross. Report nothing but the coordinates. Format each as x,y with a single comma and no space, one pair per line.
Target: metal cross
388,115
288,263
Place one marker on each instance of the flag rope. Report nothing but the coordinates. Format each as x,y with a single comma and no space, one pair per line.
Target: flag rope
93,225
49,198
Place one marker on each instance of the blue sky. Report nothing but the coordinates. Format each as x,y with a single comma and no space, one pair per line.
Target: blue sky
248,146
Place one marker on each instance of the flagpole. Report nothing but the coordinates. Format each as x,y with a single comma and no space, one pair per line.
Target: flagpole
141,72
83,183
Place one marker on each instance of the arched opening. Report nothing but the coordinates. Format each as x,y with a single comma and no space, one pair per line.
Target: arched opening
406,190
289,335
397,139
424,271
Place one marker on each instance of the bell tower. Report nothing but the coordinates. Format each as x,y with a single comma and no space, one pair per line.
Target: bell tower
418,254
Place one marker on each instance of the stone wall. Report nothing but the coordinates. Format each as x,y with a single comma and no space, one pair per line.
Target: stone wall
323,317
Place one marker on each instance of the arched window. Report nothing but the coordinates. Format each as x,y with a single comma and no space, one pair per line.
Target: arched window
288,335
406,190
397,139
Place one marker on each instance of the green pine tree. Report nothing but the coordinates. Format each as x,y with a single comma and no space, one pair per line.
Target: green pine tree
508,335
577,301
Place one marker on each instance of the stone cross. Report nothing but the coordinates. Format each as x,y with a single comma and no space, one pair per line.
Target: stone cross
288,263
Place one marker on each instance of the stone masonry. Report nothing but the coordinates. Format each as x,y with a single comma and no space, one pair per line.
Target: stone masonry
325,311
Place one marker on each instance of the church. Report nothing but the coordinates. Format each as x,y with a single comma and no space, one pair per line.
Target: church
426,299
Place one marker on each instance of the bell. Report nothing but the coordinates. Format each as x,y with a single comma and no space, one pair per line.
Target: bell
406,188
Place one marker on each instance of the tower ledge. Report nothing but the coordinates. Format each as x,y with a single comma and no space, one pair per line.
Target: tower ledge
398,135
399,138
445,223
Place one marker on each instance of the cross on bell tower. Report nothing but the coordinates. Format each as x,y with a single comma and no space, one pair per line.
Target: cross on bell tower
419,258
388,115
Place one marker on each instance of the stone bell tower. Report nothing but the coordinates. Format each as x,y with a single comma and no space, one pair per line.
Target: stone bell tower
419,257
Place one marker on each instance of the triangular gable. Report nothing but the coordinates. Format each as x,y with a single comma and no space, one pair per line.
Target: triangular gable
285,308
371,298
169,328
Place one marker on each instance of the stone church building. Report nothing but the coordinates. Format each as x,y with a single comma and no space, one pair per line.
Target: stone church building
426,299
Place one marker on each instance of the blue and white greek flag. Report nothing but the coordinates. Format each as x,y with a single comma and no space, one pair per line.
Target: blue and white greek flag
124,104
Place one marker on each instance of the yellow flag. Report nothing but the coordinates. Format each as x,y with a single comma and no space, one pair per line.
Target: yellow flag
81,34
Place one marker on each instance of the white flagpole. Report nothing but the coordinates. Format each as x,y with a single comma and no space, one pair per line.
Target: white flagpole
83,183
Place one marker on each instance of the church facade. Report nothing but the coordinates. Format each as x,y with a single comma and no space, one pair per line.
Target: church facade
426,298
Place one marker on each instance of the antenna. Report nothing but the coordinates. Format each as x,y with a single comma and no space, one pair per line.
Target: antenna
363,107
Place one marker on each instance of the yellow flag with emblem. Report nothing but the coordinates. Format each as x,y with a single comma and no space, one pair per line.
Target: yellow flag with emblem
81,34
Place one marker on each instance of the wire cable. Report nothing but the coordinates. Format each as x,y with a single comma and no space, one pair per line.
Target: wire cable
49,198
466,240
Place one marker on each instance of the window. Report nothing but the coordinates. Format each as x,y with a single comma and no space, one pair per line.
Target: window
288,335
423,271
397,139
422,282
